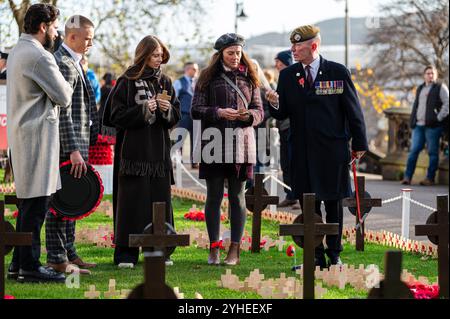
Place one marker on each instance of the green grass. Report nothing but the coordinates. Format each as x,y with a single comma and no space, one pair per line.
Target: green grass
190,271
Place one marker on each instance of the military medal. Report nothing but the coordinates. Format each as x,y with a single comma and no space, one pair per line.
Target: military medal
329,87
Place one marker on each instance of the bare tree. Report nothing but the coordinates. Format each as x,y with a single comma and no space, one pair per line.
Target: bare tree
413,34
120,24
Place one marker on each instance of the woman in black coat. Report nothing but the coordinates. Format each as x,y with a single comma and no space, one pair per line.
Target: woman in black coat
142,121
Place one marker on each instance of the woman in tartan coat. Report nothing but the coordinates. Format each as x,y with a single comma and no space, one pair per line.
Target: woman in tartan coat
221,108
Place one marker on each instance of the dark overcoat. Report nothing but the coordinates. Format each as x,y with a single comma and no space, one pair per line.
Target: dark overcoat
142,164
323,118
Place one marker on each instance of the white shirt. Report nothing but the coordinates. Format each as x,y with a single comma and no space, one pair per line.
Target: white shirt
77,58
315,65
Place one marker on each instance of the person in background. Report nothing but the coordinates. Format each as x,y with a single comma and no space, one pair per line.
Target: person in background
428,118
3,58
282,60
90,74
184,88
270,77
106,87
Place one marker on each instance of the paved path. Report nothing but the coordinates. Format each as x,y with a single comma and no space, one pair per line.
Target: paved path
387,217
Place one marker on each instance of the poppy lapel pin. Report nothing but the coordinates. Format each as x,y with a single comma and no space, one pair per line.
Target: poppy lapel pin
301,81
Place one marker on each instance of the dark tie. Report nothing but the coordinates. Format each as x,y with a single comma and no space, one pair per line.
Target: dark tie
309,78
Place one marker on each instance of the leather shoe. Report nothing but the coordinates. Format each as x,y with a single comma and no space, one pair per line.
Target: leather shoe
194,166
296,206
68,268
13,271
287,203
406,181
335,261
80,263
321,262
318,261
427,182
42,274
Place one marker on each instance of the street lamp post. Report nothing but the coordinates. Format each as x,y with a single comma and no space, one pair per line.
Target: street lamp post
347,34
239,14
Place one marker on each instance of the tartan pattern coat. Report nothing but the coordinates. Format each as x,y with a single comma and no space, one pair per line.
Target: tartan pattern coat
205,105
78,124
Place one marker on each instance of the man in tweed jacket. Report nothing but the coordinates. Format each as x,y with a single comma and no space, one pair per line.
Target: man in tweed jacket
78,128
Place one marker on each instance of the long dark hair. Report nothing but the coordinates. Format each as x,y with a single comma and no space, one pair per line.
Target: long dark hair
142,54
215,67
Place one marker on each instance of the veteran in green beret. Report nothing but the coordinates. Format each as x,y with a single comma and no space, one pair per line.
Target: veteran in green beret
320,100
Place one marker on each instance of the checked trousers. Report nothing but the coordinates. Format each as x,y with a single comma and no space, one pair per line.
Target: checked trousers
60,239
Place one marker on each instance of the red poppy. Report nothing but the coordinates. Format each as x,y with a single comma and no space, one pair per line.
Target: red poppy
421,291
290,251
9,297
218,244
301,81
15,214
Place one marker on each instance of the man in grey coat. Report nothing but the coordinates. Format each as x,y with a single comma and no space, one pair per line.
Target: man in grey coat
78,128
35,90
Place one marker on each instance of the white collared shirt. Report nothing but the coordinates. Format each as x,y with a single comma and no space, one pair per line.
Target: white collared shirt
77,58
315,65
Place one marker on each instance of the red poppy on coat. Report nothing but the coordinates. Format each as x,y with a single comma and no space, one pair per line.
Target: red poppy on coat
301,81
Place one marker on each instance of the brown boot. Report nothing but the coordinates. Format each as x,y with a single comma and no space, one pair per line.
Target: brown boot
80,263
233,255
214,256
427,182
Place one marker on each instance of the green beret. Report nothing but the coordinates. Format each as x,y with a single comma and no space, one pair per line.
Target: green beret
304,33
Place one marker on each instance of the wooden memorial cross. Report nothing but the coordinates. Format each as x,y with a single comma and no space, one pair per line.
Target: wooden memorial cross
163,96
366,203
308,231
154,286
257,199
392,287
436,229
8,239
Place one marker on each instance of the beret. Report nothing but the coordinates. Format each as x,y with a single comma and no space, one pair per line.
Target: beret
304,33
229,39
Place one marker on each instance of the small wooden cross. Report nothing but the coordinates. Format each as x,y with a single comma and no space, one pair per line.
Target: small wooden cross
92,293
392,287
257,199
366,203
313,230
8,239
164,96
155,286
112,292
436,229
